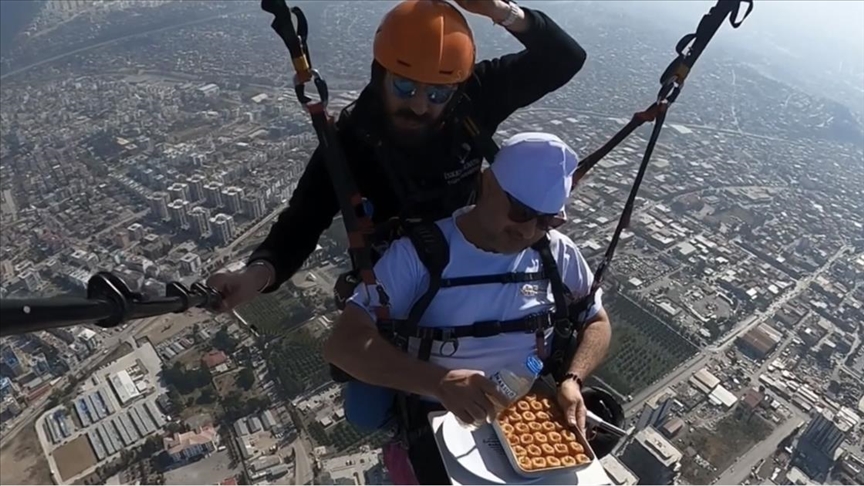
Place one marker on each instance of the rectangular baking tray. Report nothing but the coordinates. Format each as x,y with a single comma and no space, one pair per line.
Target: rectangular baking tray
542,388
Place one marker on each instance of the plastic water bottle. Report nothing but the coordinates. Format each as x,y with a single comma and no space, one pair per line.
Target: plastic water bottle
513,383
516,383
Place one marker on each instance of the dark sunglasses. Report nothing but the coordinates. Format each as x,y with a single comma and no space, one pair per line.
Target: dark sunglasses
521,213
436,94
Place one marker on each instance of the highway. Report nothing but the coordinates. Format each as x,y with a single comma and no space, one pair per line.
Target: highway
105,43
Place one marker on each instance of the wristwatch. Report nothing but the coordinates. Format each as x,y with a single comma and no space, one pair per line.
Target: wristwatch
571,376
512,16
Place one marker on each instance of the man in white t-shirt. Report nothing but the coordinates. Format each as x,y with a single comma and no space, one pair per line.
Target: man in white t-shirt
522,197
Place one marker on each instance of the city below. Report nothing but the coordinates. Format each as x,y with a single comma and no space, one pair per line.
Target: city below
159,140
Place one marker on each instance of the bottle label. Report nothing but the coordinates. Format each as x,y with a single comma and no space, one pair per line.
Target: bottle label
504,388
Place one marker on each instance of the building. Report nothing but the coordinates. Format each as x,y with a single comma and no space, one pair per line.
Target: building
213,359
759,342
253,206
213,194
200,220
652,458
209,90
89,338
178,210
190,263
196,187
723,397
224,228
179,190
124,387
672,427
233,196
6,387
656,410
159,205
31,279
185,447
704,381
121,239
12,362
818,444
136,231
618,472
267,420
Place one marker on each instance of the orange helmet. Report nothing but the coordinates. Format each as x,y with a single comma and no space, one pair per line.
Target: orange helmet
427,41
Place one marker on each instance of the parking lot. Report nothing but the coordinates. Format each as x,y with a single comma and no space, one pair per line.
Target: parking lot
210,470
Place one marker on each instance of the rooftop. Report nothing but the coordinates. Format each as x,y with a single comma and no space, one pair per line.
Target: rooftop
617,471
659,447
176,444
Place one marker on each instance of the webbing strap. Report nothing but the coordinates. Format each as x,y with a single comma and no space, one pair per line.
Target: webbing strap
498,278
482,329
689,48
355,212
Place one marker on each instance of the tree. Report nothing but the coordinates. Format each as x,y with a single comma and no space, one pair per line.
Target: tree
224,341
246,379
208,395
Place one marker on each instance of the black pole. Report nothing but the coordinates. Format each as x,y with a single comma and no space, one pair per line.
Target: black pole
21,316
109,303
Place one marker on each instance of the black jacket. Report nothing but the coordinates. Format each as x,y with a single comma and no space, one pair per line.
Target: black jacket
444,171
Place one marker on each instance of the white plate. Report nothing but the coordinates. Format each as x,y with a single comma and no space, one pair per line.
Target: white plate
479,452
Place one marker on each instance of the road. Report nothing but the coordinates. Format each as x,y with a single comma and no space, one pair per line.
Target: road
800,286
738,472
105,43
302,467
689,367
110,342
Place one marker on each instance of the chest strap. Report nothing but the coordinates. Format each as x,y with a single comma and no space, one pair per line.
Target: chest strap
500,278
483,329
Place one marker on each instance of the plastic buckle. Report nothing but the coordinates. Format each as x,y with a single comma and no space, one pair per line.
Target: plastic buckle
563,327
447,338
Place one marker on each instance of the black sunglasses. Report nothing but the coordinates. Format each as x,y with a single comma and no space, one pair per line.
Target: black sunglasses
522,213
435,94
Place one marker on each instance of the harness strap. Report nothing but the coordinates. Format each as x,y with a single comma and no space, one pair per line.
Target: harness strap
482,329
498,278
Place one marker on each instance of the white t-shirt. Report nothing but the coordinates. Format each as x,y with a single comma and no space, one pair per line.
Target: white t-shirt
405,279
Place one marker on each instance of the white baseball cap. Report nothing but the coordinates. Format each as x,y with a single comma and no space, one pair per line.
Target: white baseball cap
536,169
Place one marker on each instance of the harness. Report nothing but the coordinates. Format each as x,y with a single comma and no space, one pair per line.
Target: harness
433,250
566,320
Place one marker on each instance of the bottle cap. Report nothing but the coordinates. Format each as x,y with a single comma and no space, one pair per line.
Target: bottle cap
534,364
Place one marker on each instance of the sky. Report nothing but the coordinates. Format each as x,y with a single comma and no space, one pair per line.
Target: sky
818,30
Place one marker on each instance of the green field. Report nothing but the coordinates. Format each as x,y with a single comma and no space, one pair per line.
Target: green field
296,360
643,347
276,313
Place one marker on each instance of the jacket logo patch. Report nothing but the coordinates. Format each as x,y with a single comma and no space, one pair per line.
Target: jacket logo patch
530,290
469,168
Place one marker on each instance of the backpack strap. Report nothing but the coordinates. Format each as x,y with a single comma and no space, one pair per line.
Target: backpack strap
433,250
562,323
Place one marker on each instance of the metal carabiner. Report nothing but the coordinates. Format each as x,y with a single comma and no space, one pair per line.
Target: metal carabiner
320,86
448,338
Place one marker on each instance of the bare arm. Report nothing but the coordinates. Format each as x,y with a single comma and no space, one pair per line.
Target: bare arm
356,347
593,345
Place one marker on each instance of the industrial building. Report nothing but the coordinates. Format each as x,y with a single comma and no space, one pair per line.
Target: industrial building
652,458
759,342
